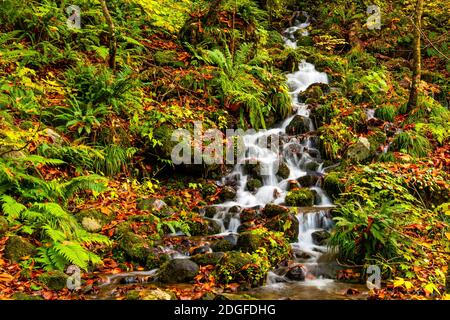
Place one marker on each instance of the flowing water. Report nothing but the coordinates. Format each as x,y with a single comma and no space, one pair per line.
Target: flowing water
302,157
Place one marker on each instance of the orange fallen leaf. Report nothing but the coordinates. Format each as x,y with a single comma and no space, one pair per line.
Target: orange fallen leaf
5,277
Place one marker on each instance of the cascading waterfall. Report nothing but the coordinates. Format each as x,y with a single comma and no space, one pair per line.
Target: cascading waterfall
298,152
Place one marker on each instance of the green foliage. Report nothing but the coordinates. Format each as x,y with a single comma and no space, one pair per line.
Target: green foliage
62,236
412,143
386,113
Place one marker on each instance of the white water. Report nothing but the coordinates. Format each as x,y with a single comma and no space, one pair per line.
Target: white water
295,151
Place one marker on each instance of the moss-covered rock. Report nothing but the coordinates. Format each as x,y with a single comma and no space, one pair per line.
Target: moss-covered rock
222,245
92,220
274,243
178,271
17,248
227,193
203,226
287,223
254,184
302,197
54,280
208,189
157,206
272,210
164,134
155,259
134,246
308,180
254,170
3,226
243,268
210,258
283,170
320,237
333,185
314,92
210,211
360,151
248,214
298,125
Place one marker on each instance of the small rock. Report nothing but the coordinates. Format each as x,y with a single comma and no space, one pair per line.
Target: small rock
248,215
54,280
17,248
227,193
298,125
55,138
359,151
320,237
309,180
235,209
303,197
201,250
296,273
210,211
254,184
91,225
283,170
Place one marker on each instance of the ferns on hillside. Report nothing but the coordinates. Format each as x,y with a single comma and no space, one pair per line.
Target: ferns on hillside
412,143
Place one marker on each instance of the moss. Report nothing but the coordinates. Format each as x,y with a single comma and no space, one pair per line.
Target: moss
283,170
244,268
298,125
274,243
54,280
205,226
302,197
254,184
135,247
150,294
164,135
333,185
156,259
272,210
92,220
286,223
386,113
3,226
168,58
24,296
222,245
210,258
17,248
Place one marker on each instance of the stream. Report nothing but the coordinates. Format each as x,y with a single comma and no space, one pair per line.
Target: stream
302,157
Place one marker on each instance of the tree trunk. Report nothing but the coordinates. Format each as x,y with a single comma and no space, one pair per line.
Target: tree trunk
112,35
412,103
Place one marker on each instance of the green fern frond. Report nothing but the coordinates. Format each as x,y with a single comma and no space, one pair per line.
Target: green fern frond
11,208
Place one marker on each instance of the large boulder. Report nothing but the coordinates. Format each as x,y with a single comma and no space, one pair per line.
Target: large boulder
178,271
54,280
17,248
248,215
360,151
298,125
134,246
286,223
302,197
155,259
272,210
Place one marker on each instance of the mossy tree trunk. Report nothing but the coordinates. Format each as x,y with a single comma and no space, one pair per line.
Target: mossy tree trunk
112,35
414,92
